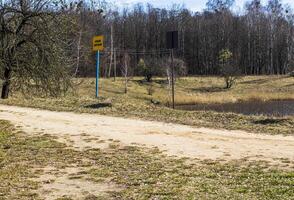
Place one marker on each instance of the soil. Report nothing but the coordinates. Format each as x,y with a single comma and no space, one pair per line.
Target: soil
82,131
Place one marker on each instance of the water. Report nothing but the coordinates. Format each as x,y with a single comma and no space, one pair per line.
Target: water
269,108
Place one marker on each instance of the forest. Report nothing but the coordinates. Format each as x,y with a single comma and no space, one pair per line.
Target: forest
261,37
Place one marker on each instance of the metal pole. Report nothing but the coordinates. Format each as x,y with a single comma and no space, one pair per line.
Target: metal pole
97,72
173,82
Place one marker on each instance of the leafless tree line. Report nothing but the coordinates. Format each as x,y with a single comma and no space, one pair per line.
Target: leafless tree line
261,38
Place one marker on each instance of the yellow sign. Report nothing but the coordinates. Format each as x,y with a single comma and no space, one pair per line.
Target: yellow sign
98,43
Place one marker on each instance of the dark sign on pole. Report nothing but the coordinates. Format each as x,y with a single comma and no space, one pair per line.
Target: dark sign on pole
172,40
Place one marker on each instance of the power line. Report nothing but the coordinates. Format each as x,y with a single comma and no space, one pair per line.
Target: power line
129,51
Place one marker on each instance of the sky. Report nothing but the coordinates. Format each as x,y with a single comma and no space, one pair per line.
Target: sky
194,5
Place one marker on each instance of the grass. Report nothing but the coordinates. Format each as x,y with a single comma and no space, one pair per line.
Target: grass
139,173
211,89
148,174
191,90
19,154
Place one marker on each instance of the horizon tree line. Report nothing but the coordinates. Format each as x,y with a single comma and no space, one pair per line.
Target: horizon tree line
261,38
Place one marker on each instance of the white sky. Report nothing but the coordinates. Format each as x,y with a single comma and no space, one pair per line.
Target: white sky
194,5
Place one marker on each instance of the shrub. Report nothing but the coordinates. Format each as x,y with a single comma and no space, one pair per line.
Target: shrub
230,72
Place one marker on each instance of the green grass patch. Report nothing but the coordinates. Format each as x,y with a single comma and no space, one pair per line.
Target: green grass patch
20,154
148,174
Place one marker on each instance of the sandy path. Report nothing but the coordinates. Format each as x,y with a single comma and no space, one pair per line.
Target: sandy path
82,130
71,182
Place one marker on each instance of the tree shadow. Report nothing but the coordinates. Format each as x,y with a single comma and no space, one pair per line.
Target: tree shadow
144,82
270,121
140,82
208,89
98,105
258,81
114,91
289,85
161,82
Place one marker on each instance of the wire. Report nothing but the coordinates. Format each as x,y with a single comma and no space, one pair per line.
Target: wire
147,53
129,51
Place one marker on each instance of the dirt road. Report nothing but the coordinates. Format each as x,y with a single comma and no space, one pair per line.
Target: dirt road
80,131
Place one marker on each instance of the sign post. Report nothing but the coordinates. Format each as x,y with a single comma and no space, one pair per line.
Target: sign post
98,46
97,72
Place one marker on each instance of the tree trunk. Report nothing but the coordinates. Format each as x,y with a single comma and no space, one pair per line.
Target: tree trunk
78,54
111,51
6,83
114,67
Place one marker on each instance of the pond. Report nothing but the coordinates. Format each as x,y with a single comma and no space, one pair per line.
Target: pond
270,108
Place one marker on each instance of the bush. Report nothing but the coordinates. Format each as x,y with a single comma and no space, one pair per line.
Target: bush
145,70
230,72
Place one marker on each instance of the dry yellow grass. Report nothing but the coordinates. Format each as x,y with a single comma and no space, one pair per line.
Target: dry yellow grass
191,90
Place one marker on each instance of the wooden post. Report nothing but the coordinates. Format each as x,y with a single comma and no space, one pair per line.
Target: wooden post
172,43
173,75
114,67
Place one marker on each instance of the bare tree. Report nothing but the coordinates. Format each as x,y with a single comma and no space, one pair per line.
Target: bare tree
111,50
125,70
289,64
32,55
